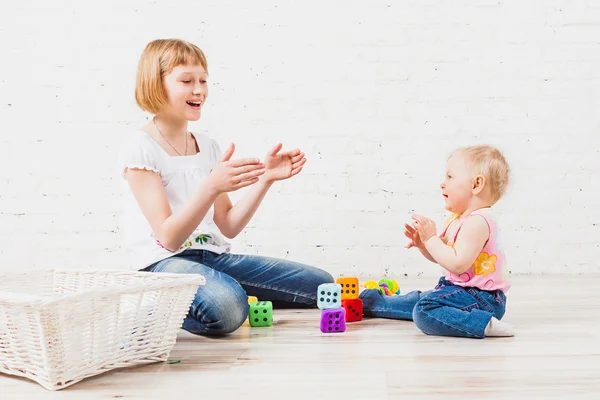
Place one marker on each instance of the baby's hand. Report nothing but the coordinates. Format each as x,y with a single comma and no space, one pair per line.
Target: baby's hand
413,235
424,226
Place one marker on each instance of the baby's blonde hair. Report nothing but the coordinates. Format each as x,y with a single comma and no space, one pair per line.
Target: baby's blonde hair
489,162
158,59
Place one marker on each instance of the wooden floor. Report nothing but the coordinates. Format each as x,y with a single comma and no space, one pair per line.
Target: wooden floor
555,355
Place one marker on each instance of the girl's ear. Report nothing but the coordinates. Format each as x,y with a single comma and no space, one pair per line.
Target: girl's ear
478,184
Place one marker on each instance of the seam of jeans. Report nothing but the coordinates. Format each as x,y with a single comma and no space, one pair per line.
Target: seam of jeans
390,314
264,286
479,299
470,307
487,307
379,309
277,289
452,293
501,298
189,253
444,323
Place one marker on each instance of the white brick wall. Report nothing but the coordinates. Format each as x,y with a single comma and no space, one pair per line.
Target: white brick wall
376,93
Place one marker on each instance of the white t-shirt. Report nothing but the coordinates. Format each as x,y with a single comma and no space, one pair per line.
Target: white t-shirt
181,176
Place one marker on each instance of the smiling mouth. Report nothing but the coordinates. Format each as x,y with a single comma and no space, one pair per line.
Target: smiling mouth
194,104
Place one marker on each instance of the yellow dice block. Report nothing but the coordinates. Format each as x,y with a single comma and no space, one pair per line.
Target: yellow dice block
251,299
349,287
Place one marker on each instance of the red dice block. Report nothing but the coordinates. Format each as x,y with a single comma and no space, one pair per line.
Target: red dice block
354,309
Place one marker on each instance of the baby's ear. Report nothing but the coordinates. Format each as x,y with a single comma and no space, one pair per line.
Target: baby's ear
478,184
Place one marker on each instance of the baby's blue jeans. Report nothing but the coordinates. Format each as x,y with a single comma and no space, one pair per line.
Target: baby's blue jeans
447,310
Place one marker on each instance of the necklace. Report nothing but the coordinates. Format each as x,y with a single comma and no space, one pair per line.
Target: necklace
163,136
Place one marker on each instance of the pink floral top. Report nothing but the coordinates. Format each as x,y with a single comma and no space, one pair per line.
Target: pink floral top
489,271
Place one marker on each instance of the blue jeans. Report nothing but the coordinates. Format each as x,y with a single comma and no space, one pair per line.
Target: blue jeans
221,305
447,310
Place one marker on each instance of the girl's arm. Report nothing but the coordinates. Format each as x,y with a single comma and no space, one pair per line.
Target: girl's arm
172,230
458,258
230,219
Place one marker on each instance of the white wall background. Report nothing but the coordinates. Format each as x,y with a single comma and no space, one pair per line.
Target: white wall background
375,92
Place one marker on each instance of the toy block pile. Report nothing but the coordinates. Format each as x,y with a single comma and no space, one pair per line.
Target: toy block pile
339,303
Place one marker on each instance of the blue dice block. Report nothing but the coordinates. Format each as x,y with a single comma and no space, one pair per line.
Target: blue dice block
329,295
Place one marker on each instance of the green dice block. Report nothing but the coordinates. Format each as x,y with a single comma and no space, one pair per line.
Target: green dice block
261,313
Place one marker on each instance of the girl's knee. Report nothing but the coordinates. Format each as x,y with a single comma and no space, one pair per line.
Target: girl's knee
231,312
221,318
218,312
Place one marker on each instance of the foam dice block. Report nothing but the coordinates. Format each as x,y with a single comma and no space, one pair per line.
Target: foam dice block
354,309
349,287
251,299
333,320
261,313
329,296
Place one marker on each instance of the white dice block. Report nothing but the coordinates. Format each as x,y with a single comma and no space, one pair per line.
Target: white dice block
329,295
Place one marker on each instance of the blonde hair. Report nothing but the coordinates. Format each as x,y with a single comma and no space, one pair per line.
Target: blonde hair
489,162
158,59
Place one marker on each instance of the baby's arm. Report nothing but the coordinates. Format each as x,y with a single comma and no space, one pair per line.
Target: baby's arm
427,255
460,257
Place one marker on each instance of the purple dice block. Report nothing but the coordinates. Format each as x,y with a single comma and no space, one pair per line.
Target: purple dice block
333,320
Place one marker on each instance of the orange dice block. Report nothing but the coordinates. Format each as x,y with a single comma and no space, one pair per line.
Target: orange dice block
349,287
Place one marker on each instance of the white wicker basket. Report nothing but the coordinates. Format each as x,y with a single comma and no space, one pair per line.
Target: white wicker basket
58,327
